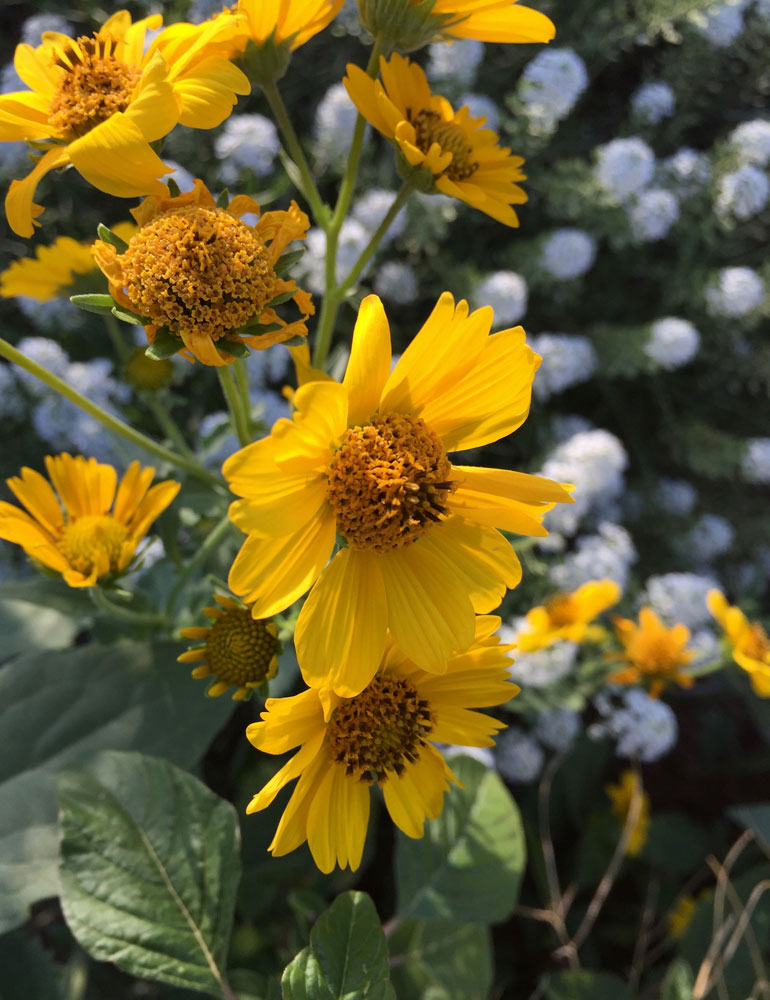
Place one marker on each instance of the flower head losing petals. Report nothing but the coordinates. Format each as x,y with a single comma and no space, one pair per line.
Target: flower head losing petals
238,649
91,530
654,655
368,459
750,643
97,102
207,282
462,157
568,616
384,734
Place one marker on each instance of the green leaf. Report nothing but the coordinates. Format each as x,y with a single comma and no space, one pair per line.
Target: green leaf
129,317
164,346
254,328
108,236
95,303
26,627
287,260
233,348
754,817
468,866
295,341
347,957
679,981
675,844
455,959
585,985
59,707
251,986
224,198
49,593
280,299
149,868
173,187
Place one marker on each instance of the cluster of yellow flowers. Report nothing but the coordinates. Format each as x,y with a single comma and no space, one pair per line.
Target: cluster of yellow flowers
354,501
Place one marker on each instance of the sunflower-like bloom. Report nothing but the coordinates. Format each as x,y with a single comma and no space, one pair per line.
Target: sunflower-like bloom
382,735
55,270
750,643
367,460
568,616
462,157
204,279
96,534
653,654
621,796
98,102
238,649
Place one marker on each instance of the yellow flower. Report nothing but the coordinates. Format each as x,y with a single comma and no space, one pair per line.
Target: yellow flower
367,460
567,616
462,156
384,734
621,796
97,533
653,654
280,23
98,102
238,649
680,917
54,270
749,641
205,279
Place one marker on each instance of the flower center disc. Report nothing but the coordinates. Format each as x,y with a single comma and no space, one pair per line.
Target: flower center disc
95,85
561,609
658,655
388,482
92,539
239,649
380,729
198,271
431,127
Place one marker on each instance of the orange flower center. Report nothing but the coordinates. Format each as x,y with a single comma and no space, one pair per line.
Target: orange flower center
95,85
380,730
431,127
388,482
93,540
657,654
757,644
562,609
240,649
198,271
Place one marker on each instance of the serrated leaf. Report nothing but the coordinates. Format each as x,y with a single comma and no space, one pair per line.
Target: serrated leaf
455,959
106,234
468,866
679,981
58,708
586,985
126,316
149,868
94,302
287,260
164,346
347,957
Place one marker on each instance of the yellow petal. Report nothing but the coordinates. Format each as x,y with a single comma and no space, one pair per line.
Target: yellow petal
208,95
153,505
288,502
362,91
340,634
511,501
37,69
292,769
23,115
463,728
115,157
512,23
20,209
292,829
287,723
337,820
131,491
34,491
155,109
418,793
369,365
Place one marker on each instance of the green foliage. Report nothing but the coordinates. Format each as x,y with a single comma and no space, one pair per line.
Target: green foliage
436,958
149,868
57,708
347,958
585,985
679,981
469,864
25,626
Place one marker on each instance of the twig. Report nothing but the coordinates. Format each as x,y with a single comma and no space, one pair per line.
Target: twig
643,937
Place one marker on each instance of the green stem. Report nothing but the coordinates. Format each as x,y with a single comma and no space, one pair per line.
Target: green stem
116,336
398,203
233,400
106,419
309,189
242,384
103,602
210,542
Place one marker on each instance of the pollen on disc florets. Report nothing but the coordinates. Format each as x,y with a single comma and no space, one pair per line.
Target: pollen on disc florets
198,270
90,538
388,482
431,127
381,730
241,649
94,86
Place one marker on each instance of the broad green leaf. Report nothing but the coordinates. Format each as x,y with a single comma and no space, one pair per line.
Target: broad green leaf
754,817
58,707
585,985
49,593
679,981
468,866
94,302
28,971
251,986
455,959
347,958
149,868
26,627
